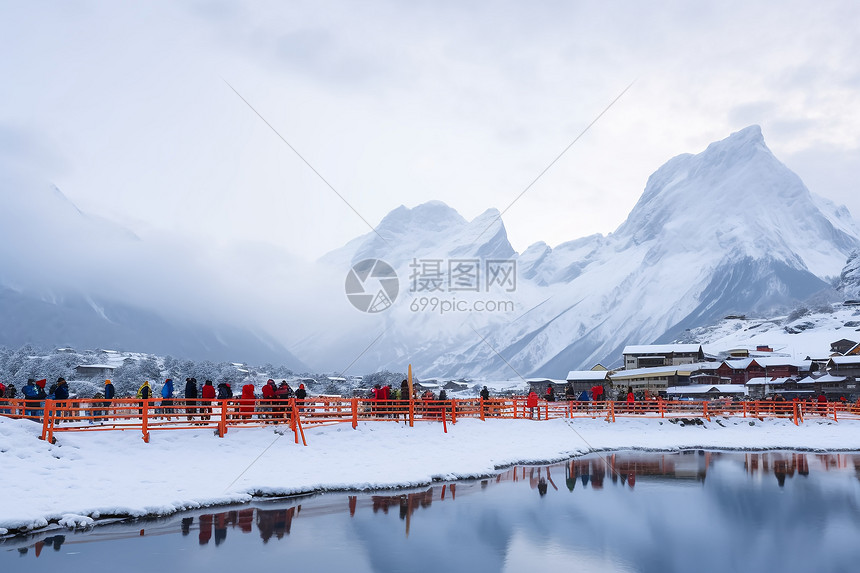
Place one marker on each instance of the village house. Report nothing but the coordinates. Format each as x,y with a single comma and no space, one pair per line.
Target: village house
539,386
658,379
706,391
848,366
741,371
584,380
651,355
92,370
842,346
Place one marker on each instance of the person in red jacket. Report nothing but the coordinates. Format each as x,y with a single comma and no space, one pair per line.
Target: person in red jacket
247,401
207,393
384,397
268,391
822,403
531,403
630,398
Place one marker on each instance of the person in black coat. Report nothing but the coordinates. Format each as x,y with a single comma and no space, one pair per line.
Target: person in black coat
485,395
190,397
301,394
61,394
109,394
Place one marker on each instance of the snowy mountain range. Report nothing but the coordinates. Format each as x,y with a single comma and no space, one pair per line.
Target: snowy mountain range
730,230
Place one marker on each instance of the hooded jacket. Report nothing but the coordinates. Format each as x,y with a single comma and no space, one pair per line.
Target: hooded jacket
269,390
62,390
208,391
144,392
167,389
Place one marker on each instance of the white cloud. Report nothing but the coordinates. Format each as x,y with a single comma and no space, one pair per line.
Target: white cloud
399,104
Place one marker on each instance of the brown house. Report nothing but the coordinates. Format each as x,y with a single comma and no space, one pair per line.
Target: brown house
652,355
842,346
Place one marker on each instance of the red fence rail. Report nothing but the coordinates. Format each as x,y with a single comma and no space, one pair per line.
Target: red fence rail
151,415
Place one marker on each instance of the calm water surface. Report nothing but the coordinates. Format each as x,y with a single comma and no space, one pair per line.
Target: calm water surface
628,511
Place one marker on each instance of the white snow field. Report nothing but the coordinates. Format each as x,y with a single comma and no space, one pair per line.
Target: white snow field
89,476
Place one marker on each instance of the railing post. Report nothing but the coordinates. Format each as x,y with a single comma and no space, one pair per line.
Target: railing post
453,410
834,412
297,424
662,407
47,434
354,413
705,410
444,423
794,413
222,422
481,406
411,411
145,420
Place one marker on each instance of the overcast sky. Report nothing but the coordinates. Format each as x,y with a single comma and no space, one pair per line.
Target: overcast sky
125,107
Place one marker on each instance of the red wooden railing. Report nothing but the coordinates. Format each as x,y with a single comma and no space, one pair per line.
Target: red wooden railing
151,415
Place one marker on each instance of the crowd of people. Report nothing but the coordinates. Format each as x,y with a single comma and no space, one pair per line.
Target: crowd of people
194,400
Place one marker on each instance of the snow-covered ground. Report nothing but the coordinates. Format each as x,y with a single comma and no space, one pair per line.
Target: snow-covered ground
89,476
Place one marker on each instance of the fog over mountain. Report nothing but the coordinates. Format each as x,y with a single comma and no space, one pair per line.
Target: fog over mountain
727,230
68,278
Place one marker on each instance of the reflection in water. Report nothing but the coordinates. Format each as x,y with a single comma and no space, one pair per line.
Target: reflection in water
730,498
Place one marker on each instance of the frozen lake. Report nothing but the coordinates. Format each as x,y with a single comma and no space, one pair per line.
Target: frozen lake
623,511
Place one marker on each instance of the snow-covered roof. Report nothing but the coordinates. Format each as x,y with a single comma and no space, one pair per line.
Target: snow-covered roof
844,360
587,375
108,366
705,388
827,378
740,363
657,372
782,361
696,366
770,381
539,380
661,348
661,371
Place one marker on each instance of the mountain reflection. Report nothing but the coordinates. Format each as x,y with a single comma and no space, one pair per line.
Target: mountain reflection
274,520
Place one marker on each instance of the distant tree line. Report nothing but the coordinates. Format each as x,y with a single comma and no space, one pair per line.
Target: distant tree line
30,361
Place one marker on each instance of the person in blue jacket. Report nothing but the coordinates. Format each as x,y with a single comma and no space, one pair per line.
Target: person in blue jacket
31,394
167,397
